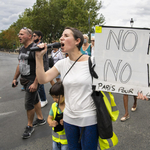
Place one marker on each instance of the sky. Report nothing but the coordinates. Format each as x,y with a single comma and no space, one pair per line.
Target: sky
116,12
120,12
10,11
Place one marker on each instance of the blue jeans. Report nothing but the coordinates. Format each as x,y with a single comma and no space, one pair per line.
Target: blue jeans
59,146
41,92
89,138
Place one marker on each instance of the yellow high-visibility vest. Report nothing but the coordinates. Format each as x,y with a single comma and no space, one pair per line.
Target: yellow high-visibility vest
108,143
111,106
114,113
59,137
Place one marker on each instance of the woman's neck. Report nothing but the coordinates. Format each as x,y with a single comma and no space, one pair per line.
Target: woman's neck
84,47
74,55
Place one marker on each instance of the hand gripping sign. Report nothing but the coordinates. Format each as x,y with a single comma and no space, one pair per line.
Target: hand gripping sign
122,60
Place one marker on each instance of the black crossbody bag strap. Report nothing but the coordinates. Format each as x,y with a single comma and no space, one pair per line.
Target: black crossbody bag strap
67,73
71,67
62,82
64,77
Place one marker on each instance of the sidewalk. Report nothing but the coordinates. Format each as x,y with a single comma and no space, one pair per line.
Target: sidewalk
10,52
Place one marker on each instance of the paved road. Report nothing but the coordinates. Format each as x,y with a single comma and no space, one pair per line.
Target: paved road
134,134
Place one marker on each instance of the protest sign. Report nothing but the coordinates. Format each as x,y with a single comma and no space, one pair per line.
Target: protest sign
122,60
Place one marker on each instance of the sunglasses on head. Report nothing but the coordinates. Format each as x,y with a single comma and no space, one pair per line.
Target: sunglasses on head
25,28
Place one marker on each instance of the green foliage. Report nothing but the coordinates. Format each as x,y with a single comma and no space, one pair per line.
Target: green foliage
56,9
8,38
51,17
76,15
40,17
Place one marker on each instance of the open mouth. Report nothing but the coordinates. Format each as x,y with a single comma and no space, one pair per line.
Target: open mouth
62,44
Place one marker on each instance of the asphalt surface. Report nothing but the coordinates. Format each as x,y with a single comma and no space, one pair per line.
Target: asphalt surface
133,134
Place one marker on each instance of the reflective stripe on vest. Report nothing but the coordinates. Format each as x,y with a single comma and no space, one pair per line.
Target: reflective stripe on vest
56,135
114,108
59,137
114,113
108,143
111,106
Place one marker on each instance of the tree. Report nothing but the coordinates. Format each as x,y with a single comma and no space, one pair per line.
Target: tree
8,38
51,17
3,42
56,8
77,13
41,17
25,20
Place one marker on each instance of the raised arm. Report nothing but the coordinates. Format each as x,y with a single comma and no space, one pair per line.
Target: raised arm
44,77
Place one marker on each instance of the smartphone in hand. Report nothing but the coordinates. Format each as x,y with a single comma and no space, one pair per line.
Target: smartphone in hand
16,84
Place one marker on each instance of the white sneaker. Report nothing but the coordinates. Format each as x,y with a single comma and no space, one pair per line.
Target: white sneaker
44,103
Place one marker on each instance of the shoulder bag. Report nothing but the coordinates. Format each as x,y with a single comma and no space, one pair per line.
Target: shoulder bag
104,122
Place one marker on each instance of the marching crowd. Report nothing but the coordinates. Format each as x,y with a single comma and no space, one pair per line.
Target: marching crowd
72,115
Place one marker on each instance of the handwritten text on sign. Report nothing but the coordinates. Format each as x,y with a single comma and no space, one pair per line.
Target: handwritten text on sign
122,60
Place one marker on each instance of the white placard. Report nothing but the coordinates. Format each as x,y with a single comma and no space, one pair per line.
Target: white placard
122,60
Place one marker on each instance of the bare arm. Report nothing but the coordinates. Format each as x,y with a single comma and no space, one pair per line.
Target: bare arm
51,122
62,122
33,87
44,77
17,73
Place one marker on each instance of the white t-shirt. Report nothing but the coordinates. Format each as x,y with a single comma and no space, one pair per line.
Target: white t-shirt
79,106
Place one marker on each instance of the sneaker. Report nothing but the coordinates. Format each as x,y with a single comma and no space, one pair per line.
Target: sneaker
44,103
22,89
38,122
27,133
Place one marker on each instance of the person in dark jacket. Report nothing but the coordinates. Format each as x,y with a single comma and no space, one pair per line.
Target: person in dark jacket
37,37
